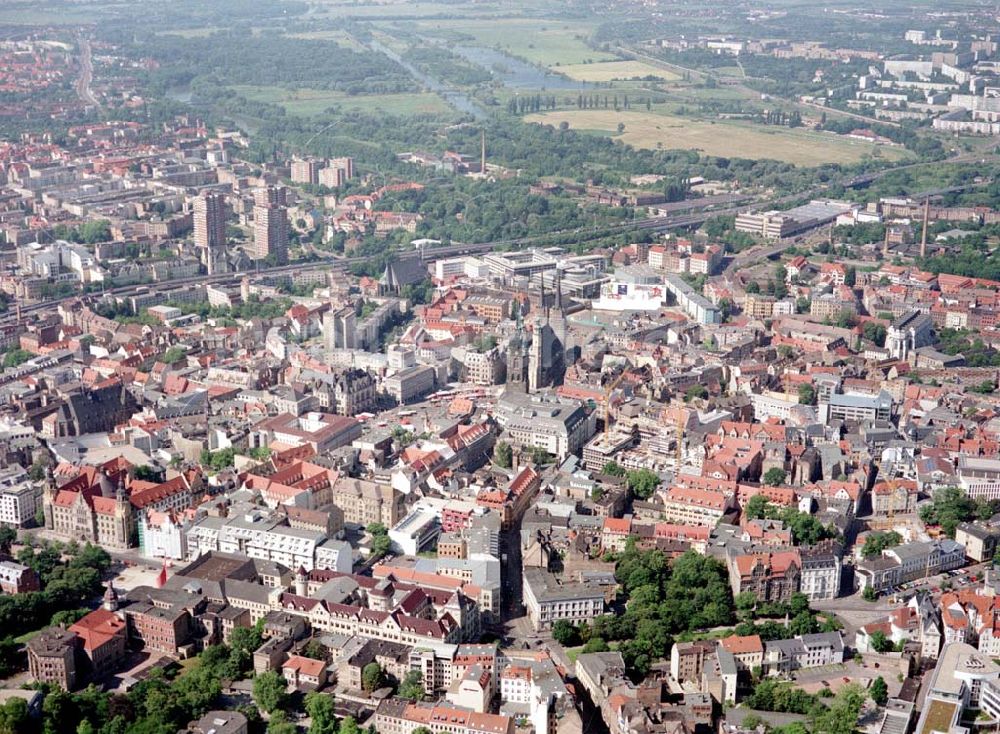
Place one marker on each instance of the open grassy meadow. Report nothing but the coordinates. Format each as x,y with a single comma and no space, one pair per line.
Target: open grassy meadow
723,138
544,42
309,102
609,71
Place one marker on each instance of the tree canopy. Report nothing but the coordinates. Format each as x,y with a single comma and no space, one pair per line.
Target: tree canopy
875,543
642,482
269,691
664,598
950,506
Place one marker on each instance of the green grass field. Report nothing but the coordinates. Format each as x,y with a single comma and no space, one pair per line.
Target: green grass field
544,42
723,138
716,93
608,71
308,102
726,71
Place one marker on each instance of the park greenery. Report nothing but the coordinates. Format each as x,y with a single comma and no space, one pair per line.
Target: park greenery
950,506
663,598
381,545
877,542
253,308
880,643
70,577
835,715
15,358
775,476
975,351
237,57
217,461
642,482
503,455
87,233
412,686
372,677
166,700
805,529
767,620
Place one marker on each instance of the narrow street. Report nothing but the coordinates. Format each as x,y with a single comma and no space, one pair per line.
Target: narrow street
512,606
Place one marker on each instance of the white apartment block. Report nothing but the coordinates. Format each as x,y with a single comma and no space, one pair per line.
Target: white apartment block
19,500
547,600
690,506
291,547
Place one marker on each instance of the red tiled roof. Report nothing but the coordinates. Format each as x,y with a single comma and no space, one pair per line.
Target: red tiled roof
304,666
737,644
98,628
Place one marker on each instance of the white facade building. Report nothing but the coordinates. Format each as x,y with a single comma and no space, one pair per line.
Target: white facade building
19,500
335,555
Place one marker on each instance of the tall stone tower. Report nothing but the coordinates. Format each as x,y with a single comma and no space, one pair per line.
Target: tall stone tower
537,356
301,582
517,365
125,528
48,497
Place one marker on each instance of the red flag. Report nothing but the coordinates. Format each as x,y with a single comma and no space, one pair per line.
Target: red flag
161,578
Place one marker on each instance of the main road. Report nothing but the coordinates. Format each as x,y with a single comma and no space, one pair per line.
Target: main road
83,89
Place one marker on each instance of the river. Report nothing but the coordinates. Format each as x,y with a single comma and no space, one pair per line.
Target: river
460,101
512,72
518,74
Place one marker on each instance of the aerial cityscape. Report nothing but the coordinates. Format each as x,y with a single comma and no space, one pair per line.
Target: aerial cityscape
499,367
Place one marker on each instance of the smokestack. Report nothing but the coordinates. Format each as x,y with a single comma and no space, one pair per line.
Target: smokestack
923,237
885,244
482,155
545,308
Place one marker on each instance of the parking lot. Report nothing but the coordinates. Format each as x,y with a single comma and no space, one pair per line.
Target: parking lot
968,577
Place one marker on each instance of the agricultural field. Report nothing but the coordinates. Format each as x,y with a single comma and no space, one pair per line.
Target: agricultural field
544,42
723,138
309,102
609,71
